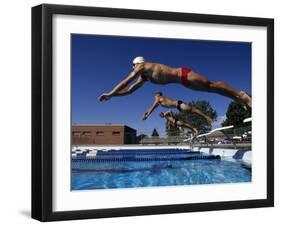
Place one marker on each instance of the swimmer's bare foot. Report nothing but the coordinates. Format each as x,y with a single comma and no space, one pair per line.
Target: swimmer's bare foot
245,98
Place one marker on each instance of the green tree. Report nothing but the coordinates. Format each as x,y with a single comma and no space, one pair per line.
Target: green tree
235,114
155,133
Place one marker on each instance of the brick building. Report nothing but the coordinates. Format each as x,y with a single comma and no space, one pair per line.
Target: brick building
103,134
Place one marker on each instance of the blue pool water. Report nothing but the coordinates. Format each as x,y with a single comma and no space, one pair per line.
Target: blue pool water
132,173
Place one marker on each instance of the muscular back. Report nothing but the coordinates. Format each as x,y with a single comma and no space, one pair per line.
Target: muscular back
167,102
160,73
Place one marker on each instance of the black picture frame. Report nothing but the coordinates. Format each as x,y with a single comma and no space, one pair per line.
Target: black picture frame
42,112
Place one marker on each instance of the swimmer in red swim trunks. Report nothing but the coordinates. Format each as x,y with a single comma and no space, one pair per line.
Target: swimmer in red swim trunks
174,122
170,103
162,74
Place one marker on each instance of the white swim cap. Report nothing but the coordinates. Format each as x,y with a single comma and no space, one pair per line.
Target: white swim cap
138,60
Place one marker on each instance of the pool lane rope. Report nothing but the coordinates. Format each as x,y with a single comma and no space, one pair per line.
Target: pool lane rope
141,157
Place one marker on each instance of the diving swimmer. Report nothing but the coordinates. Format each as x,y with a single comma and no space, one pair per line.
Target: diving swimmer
174,122
171,103
162,74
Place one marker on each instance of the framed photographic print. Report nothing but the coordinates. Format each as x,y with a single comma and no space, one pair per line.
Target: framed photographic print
146,112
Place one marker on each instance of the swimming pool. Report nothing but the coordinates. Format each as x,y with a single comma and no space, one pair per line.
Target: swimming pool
150,167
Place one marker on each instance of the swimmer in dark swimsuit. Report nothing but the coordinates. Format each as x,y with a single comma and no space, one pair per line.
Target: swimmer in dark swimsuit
162,74
179,103
170,103
174,122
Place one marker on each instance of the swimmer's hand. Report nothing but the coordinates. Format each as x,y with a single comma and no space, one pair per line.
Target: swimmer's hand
145,115
104,97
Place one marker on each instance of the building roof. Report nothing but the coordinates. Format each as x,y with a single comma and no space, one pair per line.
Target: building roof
108,124
105,124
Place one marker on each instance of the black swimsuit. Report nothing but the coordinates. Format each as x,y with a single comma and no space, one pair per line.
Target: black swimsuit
144,78
179,105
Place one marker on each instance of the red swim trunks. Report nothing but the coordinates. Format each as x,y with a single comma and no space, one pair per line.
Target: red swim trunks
184,75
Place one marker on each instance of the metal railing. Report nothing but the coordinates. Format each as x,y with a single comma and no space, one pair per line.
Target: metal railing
164,140
229,136
234,137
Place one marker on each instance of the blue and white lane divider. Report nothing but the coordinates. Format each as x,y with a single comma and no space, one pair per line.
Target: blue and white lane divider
116,160
126,159
143,157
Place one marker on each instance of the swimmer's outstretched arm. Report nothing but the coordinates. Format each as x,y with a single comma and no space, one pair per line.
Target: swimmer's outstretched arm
134,74
131,89
151,109
168,113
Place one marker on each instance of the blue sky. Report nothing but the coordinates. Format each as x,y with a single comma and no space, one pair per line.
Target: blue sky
100,62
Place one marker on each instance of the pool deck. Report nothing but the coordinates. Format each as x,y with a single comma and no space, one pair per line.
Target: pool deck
243,154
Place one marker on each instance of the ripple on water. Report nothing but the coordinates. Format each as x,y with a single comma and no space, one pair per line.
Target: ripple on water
165,173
